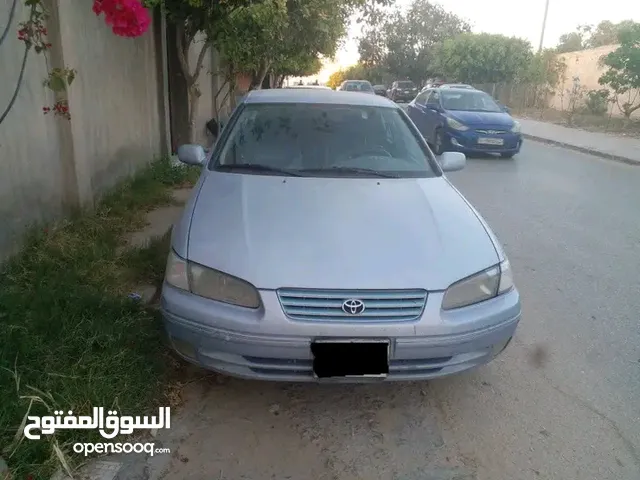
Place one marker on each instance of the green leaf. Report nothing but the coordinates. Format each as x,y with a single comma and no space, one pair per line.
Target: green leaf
56,83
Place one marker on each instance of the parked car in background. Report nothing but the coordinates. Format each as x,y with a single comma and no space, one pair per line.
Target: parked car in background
465,120
403,91
380,90
432,83
356,86
290,261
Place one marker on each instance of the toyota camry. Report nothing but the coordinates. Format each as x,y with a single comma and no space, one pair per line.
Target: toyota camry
323,242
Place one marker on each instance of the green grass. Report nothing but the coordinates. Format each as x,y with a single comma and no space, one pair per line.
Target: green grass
69,336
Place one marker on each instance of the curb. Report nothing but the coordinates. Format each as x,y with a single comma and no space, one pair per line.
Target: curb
590,151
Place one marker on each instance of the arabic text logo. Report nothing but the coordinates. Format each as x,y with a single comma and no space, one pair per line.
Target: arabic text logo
109,426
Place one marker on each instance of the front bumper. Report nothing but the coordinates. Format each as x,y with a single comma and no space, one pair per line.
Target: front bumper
264,344
467,142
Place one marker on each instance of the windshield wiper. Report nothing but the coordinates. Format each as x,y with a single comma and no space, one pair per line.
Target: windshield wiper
368,171
256,167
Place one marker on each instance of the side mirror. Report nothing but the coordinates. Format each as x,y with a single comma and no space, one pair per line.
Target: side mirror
506,109
192,154
452,161
433,106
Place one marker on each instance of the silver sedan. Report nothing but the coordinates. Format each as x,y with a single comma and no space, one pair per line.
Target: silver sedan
323,242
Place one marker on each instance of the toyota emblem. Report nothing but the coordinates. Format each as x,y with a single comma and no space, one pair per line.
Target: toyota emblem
353,306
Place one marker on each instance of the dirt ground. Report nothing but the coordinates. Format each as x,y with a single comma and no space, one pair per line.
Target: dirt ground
504,421
251,430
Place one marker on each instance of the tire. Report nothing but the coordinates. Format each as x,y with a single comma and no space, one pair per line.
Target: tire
507,155
438,143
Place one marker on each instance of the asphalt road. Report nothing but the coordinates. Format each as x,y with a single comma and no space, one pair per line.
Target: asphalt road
563,402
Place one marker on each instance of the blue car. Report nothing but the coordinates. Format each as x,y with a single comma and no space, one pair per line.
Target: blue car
465,120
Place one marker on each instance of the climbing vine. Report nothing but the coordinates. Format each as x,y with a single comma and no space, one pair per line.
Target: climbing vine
127,18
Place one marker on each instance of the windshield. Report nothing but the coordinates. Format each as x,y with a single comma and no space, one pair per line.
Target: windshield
324,140
406,85
358,87
468,101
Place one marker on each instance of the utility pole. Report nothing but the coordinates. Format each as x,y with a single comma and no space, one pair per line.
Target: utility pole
544,25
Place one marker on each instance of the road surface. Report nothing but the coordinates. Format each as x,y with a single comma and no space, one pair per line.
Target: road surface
563,402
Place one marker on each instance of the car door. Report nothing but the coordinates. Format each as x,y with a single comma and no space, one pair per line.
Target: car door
432,117
417,111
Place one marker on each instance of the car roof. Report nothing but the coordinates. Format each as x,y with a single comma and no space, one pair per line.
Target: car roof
457,89
321,87
317,95
457,85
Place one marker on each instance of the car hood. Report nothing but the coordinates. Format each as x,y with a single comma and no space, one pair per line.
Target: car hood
497,119
341,233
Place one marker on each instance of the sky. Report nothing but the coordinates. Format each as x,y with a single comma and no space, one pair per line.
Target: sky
521,18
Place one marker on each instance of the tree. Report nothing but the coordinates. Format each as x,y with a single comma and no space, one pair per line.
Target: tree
289,37
403,43
570,42
336,79
623,74
606,33
545,69
192,17
483,58
251,39
590,36
313,32
300,65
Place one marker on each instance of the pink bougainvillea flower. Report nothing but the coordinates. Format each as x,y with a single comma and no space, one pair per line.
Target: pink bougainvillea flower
127,18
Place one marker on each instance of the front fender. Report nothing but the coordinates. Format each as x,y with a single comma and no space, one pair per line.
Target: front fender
180,231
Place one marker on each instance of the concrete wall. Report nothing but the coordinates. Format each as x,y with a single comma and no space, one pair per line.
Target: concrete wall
127,107
49,163
31,178
114,100
584,64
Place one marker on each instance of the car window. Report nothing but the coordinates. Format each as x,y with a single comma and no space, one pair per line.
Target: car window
421,99
434,98
406,85
470,101
315,139
358,87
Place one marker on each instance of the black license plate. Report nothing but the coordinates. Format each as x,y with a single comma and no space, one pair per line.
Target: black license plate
350,358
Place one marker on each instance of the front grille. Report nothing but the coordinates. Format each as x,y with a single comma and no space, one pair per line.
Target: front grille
326,305
492,132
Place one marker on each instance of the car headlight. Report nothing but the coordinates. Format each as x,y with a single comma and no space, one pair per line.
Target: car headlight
210,283
479,287
456,125
516,127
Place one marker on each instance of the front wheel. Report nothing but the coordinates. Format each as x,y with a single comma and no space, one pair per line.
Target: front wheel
438,143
